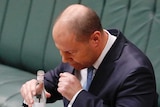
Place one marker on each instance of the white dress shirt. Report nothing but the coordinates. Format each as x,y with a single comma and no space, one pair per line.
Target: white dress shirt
82,75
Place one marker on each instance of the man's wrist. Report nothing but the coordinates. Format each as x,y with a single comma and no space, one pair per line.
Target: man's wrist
73,99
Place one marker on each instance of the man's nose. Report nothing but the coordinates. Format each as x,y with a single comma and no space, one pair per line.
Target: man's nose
65,57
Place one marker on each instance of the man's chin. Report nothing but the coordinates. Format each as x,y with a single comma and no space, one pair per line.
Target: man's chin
77,67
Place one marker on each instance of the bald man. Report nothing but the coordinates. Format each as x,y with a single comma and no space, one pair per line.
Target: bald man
122,76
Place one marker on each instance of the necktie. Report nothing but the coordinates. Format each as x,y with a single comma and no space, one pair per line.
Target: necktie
89,77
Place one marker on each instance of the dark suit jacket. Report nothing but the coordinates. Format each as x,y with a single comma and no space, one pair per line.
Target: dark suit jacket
125,78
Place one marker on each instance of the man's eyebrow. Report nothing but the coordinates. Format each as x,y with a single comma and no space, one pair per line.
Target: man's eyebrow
71,51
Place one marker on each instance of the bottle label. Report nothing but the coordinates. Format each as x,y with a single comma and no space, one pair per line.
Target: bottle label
39,104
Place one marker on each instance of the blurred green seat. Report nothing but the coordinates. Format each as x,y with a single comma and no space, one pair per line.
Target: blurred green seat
26,37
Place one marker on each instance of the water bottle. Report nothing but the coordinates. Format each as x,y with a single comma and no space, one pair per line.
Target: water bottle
40,98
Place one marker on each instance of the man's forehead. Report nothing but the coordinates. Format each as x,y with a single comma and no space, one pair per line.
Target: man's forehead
67,47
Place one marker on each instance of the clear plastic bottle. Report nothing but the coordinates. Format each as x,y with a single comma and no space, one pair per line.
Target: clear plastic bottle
40,98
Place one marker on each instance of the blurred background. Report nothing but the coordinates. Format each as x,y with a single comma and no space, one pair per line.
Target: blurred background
26,37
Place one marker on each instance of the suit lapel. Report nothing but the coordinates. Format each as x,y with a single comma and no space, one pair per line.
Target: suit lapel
107,66
100,78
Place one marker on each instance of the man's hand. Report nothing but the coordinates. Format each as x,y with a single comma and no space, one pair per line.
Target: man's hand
29,89
68,85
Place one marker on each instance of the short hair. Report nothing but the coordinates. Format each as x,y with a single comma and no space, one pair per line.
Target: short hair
89,23
82,24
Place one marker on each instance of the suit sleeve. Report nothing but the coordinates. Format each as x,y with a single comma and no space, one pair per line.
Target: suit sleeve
51,81
137,90
86,99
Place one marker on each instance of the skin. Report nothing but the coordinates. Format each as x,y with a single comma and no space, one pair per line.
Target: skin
78,53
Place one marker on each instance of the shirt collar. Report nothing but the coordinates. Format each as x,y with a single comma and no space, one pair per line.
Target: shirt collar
111,40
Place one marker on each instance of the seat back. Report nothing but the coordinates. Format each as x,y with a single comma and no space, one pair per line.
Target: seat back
26,29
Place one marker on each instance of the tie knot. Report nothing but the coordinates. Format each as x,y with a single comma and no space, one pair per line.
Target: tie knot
91,68
90,72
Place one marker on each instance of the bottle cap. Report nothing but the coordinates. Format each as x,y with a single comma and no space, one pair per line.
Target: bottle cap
40,75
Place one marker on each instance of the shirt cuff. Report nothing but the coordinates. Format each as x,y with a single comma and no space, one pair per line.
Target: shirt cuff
24,104
73,99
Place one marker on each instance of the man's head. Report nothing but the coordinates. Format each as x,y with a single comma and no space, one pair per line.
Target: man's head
78,35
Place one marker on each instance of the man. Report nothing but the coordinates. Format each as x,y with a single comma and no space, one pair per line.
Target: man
122,75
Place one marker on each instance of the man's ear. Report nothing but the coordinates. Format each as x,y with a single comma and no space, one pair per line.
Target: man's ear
95,38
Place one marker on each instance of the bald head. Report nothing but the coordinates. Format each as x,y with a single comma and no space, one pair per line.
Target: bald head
79,20
73,12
